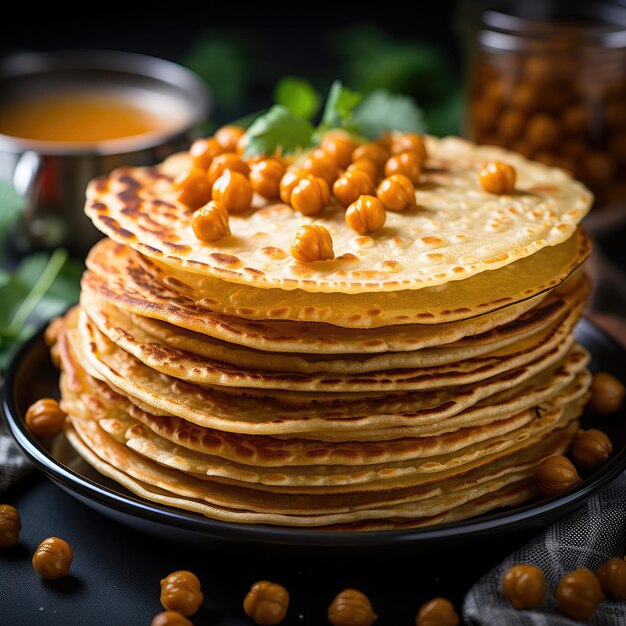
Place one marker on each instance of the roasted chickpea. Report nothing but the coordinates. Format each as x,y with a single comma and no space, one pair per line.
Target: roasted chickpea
351,608
312,243
365,165
511,124
234,191
53,558
396,192
321,164
192,188
265,177
575,119
578,594
409,142
288,182
266,603
607,394
484,114
437,612
257,158
348,187
526,96
242,144
228,136
55,356
311,195
524,586
385,140
53,330
339,145
45,418
170,618
612,578
180,591
498,178
542,131
210,222
555,475
591,448
373,151
366,215
407,163
226,161
10,525
203,151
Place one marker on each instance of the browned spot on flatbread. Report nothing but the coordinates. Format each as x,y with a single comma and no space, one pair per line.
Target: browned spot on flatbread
129,181
114,225
227,260
274,253
252,270
176,246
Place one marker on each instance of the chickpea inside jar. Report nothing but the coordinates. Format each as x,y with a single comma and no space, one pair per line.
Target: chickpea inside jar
548,80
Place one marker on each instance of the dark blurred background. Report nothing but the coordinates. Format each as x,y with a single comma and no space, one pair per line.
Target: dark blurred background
242,52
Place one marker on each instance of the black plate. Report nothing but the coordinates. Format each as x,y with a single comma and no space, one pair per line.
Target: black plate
32,376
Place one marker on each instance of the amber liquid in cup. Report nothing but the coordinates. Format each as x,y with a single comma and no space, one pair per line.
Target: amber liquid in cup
70,116
85,117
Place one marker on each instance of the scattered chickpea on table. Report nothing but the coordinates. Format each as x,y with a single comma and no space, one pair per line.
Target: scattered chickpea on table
351,607
180,591
266,603
53,558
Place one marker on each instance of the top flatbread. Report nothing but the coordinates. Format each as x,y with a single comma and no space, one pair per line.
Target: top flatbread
456,231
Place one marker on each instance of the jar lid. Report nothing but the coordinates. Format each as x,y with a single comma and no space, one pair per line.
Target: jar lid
511,24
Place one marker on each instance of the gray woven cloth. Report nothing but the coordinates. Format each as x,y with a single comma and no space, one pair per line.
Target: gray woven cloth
13,464
586,538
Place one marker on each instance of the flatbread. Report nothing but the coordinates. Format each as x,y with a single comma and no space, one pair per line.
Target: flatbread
363,419
457,230
480,294
193,368
103,403
309,462
119,275
228,503
111,319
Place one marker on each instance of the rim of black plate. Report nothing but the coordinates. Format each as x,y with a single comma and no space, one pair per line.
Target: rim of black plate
130,504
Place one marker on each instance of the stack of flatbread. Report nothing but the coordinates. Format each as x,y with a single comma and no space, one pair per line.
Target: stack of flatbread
418,378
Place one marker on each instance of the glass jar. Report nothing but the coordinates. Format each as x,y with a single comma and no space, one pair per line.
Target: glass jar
548,79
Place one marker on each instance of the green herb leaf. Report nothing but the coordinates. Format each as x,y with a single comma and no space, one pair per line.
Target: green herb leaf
339,107
41,287
381,111
278,128
298,96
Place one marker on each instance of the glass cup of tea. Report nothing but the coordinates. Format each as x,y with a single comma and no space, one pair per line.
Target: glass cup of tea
68,117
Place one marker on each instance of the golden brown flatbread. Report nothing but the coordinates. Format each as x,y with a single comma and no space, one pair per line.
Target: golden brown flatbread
456,231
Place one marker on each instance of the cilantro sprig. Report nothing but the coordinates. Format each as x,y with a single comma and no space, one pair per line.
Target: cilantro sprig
287,127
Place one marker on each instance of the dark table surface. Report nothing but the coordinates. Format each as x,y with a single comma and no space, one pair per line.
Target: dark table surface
116,572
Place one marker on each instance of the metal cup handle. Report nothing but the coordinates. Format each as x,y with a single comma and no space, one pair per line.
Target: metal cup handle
26,181
37,230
